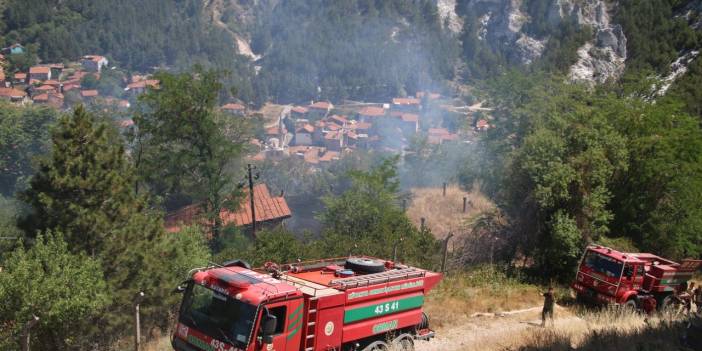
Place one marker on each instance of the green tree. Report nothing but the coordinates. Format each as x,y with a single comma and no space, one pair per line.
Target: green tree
66,291
24,132
85,189
184,146
366,219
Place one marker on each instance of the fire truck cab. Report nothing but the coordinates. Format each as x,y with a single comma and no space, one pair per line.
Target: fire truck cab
637,280
356,303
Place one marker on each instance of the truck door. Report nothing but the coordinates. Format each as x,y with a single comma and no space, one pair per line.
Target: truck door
289,324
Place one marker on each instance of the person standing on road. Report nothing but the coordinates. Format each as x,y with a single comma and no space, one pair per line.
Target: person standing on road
549,304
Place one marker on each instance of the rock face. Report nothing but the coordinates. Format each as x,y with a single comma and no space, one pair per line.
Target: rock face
501,24
601,58
447,11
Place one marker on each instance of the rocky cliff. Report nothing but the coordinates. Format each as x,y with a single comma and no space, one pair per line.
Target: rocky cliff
502,24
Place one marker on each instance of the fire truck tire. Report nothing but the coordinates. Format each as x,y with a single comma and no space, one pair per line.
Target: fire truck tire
364,265
377,346
403,343
630,304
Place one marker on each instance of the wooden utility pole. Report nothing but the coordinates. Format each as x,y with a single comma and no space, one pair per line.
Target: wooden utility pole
465,199
26,332
137,323
444,192
251,197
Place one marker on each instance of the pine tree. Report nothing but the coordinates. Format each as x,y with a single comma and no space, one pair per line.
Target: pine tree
84,188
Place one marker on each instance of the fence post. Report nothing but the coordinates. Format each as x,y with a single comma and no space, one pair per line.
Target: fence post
444,188
465,199
137,326
445,253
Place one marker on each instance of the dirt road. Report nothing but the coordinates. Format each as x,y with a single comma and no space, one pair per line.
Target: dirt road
494,332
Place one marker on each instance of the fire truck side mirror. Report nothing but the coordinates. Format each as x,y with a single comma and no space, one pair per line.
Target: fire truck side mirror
269,323
181,287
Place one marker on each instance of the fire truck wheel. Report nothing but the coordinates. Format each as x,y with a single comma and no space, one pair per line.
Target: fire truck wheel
403,343
377,346
364,265
630,305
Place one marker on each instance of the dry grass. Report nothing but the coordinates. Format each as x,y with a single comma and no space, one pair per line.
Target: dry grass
445,213
484,290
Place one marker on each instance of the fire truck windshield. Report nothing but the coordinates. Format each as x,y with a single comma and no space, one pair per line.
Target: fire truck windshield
218,315
603,264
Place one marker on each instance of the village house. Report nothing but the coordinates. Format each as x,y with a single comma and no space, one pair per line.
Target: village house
20,78
14,49
45,89
304,134
438,136
52,99
409,123
234,109
13,95
406,104
137,88
370,113
319,110
298,112
39,73
329,157
70,86
334,140
89,95
270,212
482,125
93,63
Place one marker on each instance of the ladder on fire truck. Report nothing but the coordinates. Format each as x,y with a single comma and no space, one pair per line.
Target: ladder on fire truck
378,278
311,324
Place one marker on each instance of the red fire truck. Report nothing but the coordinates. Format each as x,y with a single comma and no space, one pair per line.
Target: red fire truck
355,303
635,280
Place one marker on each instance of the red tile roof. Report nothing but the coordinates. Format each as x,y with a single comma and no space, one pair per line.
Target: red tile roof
69,87
340,120
405,101
234,107
299,109
39,70
322,105
126,123
46,88
94,58
306,128
268,208
372,111
482,124
361,125
20,76
12,93
89,93
273,131
409,117
41,98
333,127
329,156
